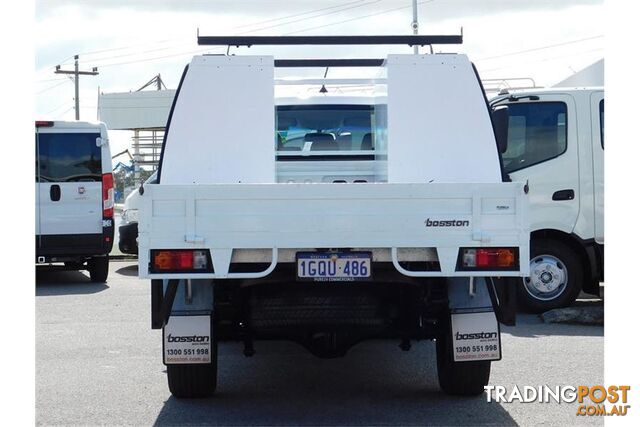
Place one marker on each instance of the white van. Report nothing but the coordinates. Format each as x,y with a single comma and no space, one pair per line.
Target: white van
556,143
74,196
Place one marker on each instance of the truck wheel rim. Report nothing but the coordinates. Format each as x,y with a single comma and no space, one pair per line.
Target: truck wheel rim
548,278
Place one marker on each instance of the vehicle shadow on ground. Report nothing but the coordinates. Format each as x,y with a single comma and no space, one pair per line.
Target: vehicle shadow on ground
129,270
284,385
52,282
532,326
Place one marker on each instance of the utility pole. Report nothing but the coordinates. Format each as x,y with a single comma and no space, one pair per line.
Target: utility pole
77,73
414,24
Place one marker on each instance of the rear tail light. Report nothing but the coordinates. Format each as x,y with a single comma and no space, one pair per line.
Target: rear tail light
180,260
43,124
107,195
489,259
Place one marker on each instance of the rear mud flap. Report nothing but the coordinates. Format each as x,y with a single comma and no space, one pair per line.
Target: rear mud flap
475,331
179,297
187,340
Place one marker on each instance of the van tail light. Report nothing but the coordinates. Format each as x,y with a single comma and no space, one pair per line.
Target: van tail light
180,260
488,259
107,195
44,123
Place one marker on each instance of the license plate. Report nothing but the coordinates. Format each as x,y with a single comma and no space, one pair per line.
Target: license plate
333,267
476,336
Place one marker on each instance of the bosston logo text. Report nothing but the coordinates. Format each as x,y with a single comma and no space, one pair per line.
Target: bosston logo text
476,336
446,223
192,338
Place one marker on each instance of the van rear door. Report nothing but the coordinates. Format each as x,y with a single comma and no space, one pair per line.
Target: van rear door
69,181
597,139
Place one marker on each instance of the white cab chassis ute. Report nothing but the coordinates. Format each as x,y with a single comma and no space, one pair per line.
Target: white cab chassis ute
328,222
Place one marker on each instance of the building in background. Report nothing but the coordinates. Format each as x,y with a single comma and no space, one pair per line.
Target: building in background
145,113
590,76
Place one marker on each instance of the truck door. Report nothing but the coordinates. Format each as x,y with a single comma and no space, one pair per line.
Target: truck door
543,150
70,183
597,129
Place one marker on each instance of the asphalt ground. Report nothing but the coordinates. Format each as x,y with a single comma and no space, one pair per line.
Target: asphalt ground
99,362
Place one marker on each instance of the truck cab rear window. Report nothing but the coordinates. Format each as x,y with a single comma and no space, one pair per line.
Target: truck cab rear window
537,132
336,128
68,157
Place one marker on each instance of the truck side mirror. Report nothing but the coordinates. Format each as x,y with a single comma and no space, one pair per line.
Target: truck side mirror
500,118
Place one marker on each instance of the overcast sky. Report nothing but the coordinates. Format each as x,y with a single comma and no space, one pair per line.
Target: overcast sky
130,41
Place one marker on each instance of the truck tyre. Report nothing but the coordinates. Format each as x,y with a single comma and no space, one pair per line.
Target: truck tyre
99,268
194,381
556,277
459,378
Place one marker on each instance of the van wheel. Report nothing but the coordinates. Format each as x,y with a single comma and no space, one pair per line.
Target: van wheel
556,277
459,378
99,268
194,381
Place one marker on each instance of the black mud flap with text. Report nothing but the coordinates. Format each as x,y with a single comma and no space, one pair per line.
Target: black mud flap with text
474,327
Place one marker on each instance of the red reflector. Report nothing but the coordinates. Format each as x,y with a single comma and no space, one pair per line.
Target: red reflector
173,260
491,257
483,258
107,195
185,259
43,124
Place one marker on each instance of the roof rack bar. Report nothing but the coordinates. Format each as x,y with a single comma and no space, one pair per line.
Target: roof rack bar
298,63
411,40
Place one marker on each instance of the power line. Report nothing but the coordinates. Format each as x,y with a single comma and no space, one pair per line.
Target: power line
237,27
346,6
540,48
58,107
64,112
201,50
358,17
298,14
313,17
93,52
543,60
343,8
51,87
51,80
99,61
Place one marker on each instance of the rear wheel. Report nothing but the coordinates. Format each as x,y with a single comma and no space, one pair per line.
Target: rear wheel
555,280
194,381
459,378
99,268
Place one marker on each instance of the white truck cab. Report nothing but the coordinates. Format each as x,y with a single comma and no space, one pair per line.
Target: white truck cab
74,196
556,144
128,230
334,220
